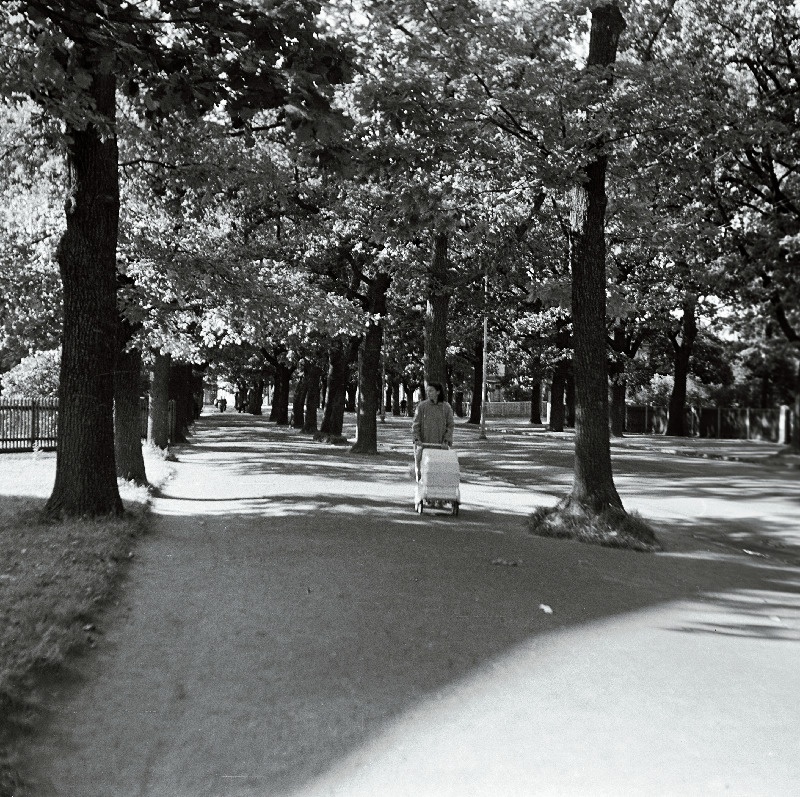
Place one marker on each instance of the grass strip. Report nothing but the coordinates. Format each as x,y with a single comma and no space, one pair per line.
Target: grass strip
55,578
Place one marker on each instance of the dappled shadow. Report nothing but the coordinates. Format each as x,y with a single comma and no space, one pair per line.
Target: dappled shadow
768,613
291,606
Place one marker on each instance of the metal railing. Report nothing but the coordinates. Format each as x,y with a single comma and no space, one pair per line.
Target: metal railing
724,423
28,424
32,424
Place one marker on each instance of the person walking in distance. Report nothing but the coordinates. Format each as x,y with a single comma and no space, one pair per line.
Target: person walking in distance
433,422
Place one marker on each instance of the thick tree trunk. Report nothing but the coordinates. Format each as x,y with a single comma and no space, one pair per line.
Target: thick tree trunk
618,392
255,397
158,407
477,383
180,391
128,416
370,368
299,403
338,366
313,374
558,385
593,484
438,301
340,355
86,475
682,345
283,383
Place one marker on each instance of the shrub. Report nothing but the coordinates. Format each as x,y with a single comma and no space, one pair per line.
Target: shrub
36,376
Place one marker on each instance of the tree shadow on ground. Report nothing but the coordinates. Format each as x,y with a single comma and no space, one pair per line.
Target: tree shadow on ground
276,632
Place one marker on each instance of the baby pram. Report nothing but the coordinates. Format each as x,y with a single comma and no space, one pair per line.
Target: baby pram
439,478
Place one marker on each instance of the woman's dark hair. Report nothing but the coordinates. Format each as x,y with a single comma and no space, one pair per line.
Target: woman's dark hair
438,385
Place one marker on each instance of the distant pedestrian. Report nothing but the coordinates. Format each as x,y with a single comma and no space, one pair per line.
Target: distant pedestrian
223,403
403,407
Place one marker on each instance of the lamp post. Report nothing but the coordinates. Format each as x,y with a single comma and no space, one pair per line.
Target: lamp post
482,435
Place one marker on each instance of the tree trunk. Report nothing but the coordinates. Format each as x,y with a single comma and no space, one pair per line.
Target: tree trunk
682,345
458,407
313,374
86,476
128,416
593,484
158,408
255,397
435,363
283,383
180,391
333,418
557,387
477,383
618,391
536,402
396,398
370,367
299,403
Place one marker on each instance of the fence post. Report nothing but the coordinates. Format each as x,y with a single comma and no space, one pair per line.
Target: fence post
646,427
747,424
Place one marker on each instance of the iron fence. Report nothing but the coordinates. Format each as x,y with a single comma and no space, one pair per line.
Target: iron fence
32,424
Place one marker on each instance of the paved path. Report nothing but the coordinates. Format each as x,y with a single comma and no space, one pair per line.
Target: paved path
292,628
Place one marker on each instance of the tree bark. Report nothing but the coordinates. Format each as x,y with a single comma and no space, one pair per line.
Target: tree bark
682,345
438,301
299,403
536,402
477,383
86,476
557,406
180,391
370,367
313,374
396,398
340,356
283,381
128,416
593,484
158,407
255,397
619,390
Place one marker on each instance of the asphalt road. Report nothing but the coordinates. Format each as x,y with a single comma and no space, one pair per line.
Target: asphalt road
292,627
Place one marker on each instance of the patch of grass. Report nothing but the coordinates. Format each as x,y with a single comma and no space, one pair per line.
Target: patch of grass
55,578
612,527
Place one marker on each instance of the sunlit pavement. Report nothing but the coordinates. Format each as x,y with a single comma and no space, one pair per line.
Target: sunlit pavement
292,627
